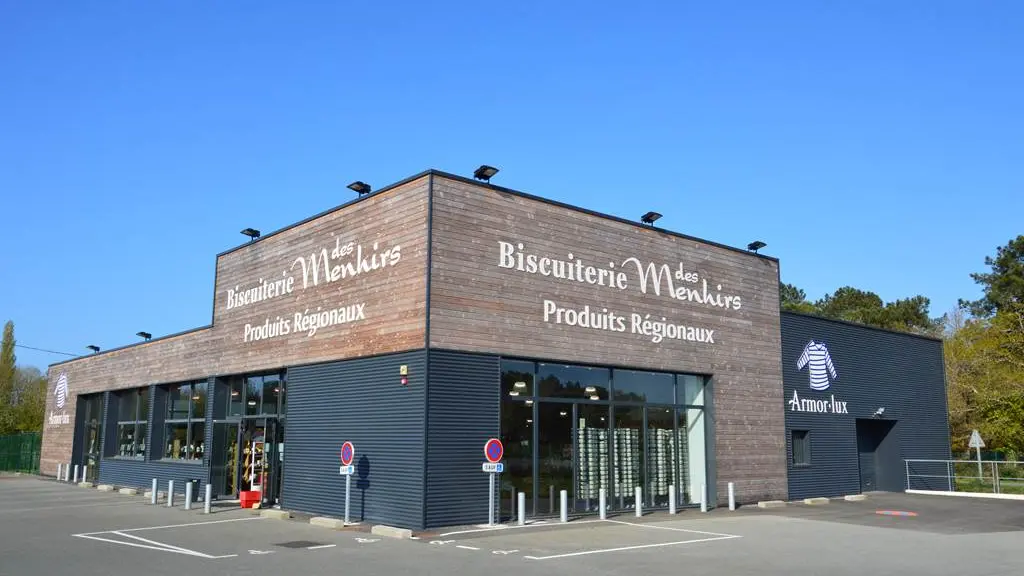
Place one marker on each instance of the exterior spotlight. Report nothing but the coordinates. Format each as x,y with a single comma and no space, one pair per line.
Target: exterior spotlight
359,187
144,335
252,233
755,246
94,348
485,173
650,218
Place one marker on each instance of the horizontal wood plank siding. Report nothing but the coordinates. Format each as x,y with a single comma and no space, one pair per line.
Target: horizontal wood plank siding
479,306
394,298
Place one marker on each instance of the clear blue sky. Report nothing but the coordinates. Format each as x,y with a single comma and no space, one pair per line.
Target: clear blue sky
875,144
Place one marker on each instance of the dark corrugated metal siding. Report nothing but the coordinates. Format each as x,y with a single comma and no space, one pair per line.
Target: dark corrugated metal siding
140,473
902,373
361,401
463,407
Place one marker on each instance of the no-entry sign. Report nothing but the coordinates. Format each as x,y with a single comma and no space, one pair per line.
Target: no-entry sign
493,450
348,453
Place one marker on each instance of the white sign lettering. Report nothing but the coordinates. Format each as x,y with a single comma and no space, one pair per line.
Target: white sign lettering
324,266
829,406
679,284
58,418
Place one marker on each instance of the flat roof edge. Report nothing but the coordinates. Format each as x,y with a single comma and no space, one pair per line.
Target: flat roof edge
126,346
859,325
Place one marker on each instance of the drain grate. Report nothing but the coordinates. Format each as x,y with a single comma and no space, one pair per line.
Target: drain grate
298,544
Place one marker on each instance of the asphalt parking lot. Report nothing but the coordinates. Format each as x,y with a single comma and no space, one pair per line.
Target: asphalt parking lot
49,528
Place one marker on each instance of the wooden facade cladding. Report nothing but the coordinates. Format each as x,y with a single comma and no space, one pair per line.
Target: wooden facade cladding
481,301
376,311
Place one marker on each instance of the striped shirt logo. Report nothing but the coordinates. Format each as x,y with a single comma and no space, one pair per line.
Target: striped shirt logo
61,390
819,365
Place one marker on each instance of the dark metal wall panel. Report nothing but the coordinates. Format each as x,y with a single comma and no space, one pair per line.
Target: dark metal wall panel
876,369
361,401
140,473
463,407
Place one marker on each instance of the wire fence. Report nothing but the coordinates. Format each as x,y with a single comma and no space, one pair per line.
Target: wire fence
20,452
987,476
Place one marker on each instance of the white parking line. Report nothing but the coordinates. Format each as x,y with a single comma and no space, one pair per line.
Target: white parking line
174,526
657,527
320,546
466,547
509,527
624,548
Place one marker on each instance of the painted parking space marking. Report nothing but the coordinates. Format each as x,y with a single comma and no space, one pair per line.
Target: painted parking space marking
466,547
626,548
147,544
895,513
658,527
321,546
508,527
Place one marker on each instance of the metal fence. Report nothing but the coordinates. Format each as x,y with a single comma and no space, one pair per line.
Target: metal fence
20,452
988,476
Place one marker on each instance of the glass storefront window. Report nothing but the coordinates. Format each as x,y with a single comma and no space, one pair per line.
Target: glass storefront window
516,378
236,398
271,392
690,389
628,450
592,459
576,382
635,386
554,454
185,423
253,390
661,454
517,437
132,416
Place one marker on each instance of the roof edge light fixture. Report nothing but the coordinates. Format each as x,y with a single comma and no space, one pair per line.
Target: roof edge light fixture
252,233
485,173
755,246
144,335
360,187
650,218
94,348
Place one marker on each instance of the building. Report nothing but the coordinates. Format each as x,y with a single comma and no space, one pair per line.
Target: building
420,320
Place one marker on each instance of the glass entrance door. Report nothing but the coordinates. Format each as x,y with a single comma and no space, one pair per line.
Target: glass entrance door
260,457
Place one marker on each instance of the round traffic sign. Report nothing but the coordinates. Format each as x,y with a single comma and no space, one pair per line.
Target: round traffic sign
493,450
348,452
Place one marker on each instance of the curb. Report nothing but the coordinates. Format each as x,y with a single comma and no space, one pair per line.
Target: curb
325,522
855,497
391,532
771,504
816,501
275,514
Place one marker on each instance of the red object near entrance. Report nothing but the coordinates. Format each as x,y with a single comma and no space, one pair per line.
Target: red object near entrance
249,498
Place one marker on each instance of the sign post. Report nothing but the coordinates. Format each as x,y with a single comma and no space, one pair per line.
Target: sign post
493,451
348,453
977,443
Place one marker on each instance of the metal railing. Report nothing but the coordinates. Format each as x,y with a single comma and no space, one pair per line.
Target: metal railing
986,476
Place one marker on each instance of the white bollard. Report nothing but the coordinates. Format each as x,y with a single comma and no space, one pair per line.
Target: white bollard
152,494
732,496
170,493
671,499
58,470
188,495
703,498
209,497
522,508
564,496
602,502
67,472
76,473
85,473
639,496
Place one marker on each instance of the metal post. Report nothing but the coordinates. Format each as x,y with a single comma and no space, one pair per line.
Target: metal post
522,508
995,476
76,473
732,496
703,498
153,494
602,501
188,495
638,496
564,497
170,493
348,497
67,471
490,500
551,499
981,475
512,501
85,473
949,474
58,471
209,496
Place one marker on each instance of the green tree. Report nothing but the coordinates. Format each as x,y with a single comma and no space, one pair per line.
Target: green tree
794,299
7,378
1004,284
864,307
30,391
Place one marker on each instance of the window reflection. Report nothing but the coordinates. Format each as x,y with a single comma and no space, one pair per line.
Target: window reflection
516,378
577,382
636,386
